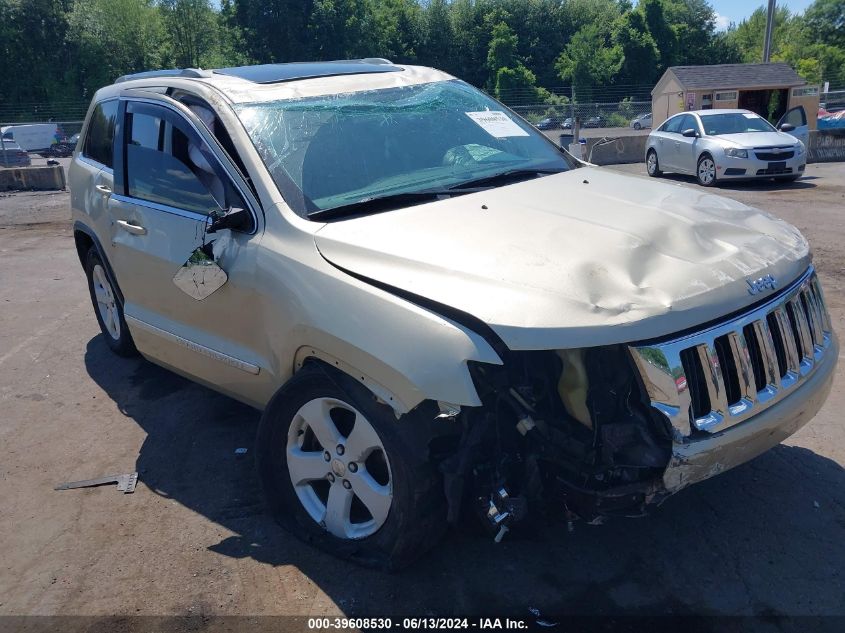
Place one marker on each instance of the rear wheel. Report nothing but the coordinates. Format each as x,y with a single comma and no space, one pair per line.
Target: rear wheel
107,306
652,164
342,473
706,171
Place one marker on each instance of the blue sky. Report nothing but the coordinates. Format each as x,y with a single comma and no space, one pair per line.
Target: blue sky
736,10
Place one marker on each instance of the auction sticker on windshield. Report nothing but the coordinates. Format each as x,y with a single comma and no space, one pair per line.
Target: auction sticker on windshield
497,123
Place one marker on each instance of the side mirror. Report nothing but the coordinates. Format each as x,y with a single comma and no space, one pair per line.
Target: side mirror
690,133
235,218
787,127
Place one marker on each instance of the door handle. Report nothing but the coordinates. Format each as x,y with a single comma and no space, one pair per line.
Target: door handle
131,228
103,190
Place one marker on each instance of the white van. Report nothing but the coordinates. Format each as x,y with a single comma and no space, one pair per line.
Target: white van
33,137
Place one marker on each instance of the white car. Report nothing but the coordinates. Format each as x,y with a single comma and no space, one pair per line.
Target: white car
718,145
438,310
641,121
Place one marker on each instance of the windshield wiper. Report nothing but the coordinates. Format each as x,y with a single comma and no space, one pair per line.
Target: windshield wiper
507,177
377,204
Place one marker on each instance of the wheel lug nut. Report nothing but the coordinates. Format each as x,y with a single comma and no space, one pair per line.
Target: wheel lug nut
340,449
327,456
346,484
330,477
353,467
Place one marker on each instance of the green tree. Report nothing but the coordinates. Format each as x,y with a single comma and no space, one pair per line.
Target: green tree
640,54
194,32
436,47
590,60
825,19
664,36
398,29
114,37
35,61
341,28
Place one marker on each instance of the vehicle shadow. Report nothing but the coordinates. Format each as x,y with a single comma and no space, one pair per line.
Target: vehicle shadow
762,539
748,185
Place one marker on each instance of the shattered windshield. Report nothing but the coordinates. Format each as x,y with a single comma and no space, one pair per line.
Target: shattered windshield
734,123
334,150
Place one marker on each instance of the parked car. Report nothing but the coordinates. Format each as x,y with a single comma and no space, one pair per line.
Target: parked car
548,123
567,123
62,149
13,155
439,312
719,145
596,121
641,121
33,137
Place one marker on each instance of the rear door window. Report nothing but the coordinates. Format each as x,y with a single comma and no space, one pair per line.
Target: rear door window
168,163
99,140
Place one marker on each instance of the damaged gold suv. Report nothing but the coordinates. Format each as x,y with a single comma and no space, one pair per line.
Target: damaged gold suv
439,312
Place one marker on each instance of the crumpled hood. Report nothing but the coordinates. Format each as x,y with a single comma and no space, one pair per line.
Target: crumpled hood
583,258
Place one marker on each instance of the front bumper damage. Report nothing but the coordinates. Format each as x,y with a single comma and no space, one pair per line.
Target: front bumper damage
641,422
703,458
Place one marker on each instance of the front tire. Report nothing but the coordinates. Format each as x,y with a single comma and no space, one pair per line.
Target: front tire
705,171
107,306
652,164
637,126
340,472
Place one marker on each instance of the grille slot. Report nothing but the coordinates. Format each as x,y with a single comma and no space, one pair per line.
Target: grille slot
695,381
772,156
793,323
777,339
728,367
755,356
718,377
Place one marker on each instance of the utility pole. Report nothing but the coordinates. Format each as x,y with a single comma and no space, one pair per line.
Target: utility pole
770,23
3,147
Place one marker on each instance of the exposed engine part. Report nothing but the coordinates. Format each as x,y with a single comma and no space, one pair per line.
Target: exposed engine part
560,433
501,510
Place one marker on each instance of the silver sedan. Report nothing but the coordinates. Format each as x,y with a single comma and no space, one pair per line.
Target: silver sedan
718,145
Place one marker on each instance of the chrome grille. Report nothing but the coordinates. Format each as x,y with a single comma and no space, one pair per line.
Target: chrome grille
713,379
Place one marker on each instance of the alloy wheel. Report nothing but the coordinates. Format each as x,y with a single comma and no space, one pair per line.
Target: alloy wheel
339,468
706,171
651,162
106,302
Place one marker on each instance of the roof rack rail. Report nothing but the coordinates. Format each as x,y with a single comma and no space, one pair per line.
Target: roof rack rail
193,73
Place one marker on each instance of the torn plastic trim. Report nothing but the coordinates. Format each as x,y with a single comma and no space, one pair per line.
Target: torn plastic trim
525,440
388,397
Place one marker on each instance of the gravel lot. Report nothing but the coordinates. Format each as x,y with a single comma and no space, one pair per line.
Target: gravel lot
764,539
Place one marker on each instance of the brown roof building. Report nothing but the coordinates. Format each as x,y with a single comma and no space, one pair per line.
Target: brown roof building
767,89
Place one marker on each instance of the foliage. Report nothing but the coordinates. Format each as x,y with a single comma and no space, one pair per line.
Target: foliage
59,50
589,59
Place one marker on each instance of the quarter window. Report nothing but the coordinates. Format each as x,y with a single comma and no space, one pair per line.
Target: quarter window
168,163
99,140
